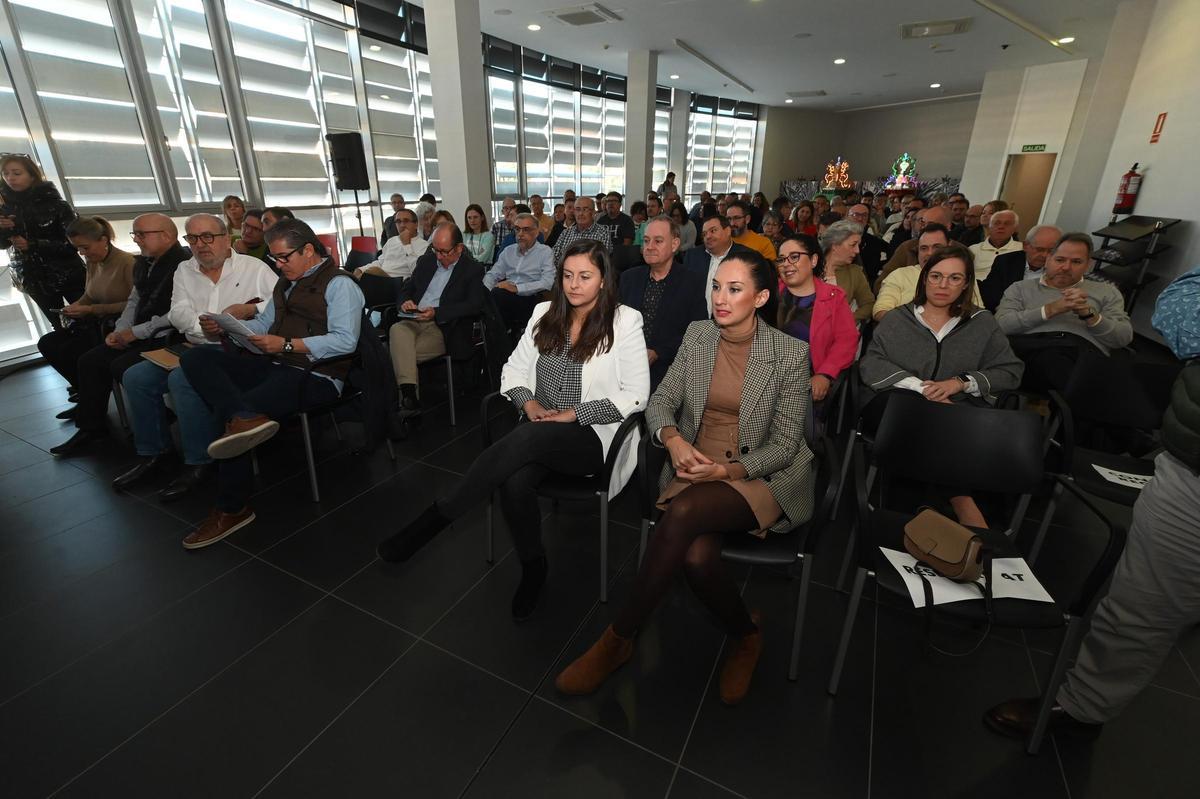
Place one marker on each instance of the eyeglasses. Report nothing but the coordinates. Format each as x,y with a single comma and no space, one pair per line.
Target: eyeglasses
525,228
792,258
281,258
445,253
207,238
141,234
733,218
937,279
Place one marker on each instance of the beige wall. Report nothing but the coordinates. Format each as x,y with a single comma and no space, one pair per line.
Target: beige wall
935,133
797,143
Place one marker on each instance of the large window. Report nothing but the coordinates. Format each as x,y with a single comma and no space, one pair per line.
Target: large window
80,78
720,151
394,100
662,145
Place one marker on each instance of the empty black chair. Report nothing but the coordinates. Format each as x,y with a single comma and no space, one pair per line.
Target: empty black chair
566,487
991,450
357,259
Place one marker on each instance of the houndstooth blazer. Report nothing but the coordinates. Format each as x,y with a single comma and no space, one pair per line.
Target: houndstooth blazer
774,407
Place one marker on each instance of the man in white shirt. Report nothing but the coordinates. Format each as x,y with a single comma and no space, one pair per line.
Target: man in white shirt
900,287
999,241
400,253
522,272
214,280
718,243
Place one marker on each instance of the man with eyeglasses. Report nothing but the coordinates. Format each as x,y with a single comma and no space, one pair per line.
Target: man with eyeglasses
585,227
971,232
252,242
314,317
537,207
900,286
521,274
1051,318
717,234
620,224
905,253
738,214
142,326
1027,263
400,254
502,227
214,280
872,250
391,224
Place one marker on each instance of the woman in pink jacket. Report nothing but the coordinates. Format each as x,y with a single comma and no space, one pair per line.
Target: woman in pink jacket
816,312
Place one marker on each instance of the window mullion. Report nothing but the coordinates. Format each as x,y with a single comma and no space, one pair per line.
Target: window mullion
519,119
221,36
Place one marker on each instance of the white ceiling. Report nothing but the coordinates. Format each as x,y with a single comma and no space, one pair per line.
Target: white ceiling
756,41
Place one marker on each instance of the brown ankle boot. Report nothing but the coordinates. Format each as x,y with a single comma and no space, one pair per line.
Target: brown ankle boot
739,665
592,668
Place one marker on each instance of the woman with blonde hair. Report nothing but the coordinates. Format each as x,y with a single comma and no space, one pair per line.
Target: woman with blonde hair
234,211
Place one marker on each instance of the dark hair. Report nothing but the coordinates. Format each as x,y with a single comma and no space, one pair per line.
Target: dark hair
478,209
829,218
28,164
91,227
428,198
681,208
811,246
638,207
708,210
616,194
935,227
295,234
762,272
597,335
411,213
812,209
962,306
1076,238
779,202
738,204
279,212
256,213
724,220
444,215
522,208
670,174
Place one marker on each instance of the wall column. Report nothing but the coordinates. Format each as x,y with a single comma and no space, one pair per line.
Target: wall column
677,150
459,102
641,88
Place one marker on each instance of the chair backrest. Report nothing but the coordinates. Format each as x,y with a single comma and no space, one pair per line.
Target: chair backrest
372,375
1118,392
357,259
330,241
379,290
962,445
365,244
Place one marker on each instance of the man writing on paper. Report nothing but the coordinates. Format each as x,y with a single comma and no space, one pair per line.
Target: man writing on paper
315,314
214,279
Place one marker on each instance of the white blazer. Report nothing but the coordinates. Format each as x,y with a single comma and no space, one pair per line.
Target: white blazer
621,375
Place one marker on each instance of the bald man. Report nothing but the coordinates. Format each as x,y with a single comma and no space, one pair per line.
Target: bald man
906,253
142,326
1000,232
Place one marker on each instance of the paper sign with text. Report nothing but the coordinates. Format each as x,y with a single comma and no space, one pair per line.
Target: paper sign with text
1011,579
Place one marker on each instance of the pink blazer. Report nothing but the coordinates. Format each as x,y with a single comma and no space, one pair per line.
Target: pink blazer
833,335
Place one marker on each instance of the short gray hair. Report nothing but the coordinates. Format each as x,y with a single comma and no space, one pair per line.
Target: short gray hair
526,217
221,226
1016,219
664,218
838,232
1036,229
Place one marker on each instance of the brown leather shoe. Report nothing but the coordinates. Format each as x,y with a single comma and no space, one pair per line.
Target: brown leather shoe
1016,717
592,668
243,435
739,665
217,526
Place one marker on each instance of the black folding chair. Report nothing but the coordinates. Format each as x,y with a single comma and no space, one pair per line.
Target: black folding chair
994,450
565,487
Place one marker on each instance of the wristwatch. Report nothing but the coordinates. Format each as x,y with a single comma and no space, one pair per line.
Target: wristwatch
1087,316
287,345
963,378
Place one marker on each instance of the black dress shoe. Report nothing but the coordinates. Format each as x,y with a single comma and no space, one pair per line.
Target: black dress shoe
416,534
69,413
1016,717
80,441
189,478
529,591
147,468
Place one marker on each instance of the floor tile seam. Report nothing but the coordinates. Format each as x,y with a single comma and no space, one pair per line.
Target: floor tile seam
121,633
454,439
874,685
496,746
84,476
704,693
711,781
203,684
336,717
34,394
1039,691
1183,656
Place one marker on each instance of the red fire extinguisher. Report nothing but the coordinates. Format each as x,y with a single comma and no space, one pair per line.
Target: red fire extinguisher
1127,194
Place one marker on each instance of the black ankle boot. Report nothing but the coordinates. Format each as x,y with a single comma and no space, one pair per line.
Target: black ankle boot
416,534
533,579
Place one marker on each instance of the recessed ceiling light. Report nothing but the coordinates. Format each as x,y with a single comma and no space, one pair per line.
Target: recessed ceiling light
503,12
385,97
1066,40
674,77
935,85
802,36
375,48
890,74
839,61
789,100
533,26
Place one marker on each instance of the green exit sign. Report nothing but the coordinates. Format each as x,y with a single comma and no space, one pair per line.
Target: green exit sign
1033,148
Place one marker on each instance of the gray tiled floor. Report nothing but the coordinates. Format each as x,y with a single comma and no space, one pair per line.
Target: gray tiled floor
288,661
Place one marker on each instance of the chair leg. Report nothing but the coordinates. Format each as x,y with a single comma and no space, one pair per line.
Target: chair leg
391,450
450,389
1038,539
337,428
798,626
308,453
847,556
1066,651
603,495
254,461
837,500
119,398
645,540
847,629
491,554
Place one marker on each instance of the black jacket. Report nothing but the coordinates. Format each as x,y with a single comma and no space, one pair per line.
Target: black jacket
871,251
697,258
682,303
154,282
41,218
461,303
1006,270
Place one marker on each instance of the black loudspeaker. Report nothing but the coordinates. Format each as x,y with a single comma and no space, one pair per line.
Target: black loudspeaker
349,162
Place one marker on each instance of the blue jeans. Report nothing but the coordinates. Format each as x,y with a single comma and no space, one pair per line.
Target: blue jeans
144,385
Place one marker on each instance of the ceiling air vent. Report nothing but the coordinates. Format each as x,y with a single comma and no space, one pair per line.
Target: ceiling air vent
590,14
944,27
809,93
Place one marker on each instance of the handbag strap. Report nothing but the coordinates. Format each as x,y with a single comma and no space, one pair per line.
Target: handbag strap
985,590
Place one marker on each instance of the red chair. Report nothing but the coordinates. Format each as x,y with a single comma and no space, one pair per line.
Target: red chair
364,244
330,240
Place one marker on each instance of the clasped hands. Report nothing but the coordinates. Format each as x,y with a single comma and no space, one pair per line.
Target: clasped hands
941,390
692,465
536,412
1074,300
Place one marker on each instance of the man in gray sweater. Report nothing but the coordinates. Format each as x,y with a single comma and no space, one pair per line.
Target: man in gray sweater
1055,314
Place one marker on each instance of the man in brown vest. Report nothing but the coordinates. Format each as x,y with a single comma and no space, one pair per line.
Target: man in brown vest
315,314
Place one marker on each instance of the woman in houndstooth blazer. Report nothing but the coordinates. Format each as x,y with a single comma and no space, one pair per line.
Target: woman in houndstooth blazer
731,412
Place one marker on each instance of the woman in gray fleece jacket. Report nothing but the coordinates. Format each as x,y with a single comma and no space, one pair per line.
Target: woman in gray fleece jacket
941,346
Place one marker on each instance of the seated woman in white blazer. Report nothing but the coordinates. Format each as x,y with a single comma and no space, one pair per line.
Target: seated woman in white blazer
578,371
731,412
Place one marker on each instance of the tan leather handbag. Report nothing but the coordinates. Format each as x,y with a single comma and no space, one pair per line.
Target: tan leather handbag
946,546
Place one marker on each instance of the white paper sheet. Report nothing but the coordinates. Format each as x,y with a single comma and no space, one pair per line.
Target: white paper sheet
1011,579
236,330
1126,479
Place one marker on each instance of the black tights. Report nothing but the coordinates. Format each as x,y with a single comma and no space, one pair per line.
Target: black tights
689,535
